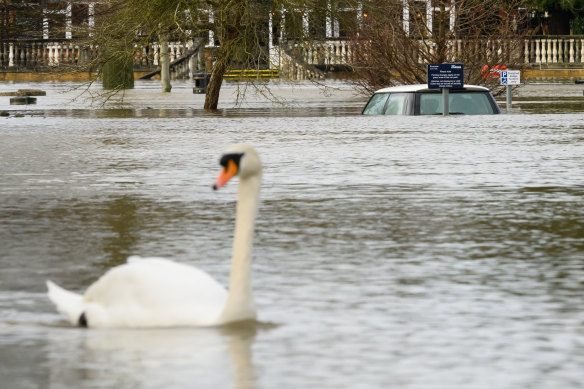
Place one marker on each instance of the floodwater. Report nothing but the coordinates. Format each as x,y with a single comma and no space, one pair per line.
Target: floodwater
403,252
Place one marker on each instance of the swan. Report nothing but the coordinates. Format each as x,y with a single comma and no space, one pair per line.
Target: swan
157,292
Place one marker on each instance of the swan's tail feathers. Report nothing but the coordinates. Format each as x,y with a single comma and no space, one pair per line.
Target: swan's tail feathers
68,303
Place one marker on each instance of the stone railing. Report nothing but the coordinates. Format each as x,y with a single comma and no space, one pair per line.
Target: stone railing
554,50
327,53
46,55
536,50
38,55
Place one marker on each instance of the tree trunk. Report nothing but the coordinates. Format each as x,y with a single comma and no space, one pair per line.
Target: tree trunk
214,87
164,64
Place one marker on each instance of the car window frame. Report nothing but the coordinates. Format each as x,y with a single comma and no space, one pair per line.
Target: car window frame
406,108
495,108
404,105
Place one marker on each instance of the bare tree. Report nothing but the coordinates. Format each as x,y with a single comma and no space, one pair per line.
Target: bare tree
240,30
400,38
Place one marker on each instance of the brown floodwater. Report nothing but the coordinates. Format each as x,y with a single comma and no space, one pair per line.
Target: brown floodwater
410,252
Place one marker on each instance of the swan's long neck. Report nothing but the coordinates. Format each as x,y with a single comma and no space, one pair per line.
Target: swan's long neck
240,304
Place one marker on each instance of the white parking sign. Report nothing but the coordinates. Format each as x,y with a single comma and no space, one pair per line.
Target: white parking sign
510,77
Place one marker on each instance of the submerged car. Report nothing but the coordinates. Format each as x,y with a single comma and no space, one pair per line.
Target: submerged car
420,100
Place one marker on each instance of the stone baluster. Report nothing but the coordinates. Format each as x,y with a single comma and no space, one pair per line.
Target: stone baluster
554,51
543,52
50,49
51,54
33,54
571,50
561,50
10,54
526,51
549,51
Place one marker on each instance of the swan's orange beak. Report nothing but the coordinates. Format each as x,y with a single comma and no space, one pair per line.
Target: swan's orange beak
226,174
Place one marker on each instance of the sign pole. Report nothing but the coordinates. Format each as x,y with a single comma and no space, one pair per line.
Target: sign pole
510,78
445,101
509,97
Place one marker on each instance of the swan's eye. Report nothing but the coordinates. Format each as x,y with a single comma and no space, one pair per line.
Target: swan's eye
235,157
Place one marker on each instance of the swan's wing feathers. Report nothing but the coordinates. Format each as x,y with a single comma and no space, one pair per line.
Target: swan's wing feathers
155,290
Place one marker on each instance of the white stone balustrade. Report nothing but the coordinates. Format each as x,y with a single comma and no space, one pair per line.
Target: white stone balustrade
47,54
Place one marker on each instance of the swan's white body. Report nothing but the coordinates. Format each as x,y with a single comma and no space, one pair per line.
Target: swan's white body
157,292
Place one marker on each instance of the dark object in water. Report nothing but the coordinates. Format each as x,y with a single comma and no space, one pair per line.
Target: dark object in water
579,82
201,82
25,92
22,100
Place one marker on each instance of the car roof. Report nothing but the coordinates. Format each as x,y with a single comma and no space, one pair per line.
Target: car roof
424,88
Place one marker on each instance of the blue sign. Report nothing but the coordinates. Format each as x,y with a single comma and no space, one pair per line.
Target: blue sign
445,75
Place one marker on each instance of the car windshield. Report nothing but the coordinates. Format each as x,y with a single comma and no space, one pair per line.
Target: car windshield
462,103
395,106
381,105
376,104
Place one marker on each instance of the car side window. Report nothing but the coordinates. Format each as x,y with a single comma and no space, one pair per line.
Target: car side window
470,104
376,104
396,103
459,103
430,103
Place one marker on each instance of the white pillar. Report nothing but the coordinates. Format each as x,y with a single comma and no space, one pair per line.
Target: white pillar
452,14
429,10
211,34
305,25
45,24
273,50
406,16
329,20
90,17
10,54
68,22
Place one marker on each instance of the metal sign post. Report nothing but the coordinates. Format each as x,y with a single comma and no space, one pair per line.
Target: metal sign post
445,101
445,76
510,78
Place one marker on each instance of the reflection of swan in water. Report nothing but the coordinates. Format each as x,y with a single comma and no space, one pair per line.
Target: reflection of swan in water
155,358
156,292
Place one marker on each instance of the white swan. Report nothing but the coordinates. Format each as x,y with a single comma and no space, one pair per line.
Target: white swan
156,292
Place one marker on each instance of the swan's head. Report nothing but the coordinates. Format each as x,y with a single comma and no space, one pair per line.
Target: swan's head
241,160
